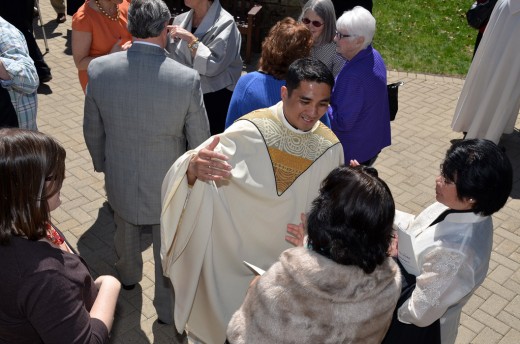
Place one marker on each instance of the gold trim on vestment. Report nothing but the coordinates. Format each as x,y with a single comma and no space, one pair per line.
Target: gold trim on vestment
291,153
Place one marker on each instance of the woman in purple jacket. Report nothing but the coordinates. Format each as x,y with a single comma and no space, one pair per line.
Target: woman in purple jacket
359,112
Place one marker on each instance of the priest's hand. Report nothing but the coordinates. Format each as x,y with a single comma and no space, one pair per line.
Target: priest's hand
393,250
296,233
208,165
354,163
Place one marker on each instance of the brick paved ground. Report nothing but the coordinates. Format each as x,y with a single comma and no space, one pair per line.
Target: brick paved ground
421,135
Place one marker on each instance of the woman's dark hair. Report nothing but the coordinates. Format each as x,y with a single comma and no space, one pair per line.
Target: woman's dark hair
287,41
351,220
481,171
28,160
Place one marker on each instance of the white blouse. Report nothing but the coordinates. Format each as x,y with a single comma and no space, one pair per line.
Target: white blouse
453,257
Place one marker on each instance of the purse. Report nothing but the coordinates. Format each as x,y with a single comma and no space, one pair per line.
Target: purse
479,13
392,98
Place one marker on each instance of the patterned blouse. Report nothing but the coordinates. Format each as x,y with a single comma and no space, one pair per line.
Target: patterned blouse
327,54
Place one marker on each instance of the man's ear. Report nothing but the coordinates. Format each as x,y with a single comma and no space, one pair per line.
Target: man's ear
284,93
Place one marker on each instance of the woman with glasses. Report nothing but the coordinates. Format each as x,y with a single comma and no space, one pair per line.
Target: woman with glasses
450,242
319,17
359,111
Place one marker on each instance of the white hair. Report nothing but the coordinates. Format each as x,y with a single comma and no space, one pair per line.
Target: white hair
358,22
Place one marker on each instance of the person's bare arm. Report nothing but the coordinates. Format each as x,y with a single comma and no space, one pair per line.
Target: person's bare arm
81,42
105,304
3,72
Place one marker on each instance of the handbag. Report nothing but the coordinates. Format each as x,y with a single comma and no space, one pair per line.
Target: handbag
479,13
392,98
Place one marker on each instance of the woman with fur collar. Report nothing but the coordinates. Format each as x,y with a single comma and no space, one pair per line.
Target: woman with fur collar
343,287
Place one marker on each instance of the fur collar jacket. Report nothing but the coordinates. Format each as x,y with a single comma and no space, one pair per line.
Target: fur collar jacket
308,298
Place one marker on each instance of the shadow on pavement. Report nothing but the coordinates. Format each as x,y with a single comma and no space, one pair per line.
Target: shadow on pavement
511,143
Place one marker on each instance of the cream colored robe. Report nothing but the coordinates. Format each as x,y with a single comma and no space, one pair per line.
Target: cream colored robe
490,98
243,218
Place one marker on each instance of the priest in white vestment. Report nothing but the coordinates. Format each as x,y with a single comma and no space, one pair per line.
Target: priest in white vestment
490,98
230,200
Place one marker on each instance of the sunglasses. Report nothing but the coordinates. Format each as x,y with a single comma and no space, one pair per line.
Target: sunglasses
314,23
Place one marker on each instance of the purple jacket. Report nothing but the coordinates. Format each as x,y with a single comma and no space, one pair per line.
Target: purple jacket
359,112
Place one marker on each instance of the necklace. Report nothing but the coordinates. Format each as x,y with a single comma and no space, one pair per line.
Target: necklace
53,236
113,18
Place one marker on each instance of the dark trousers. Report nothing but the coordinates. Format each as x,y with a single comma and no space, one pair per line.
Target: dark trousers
217,104
8,117
399,332
477,42
20,14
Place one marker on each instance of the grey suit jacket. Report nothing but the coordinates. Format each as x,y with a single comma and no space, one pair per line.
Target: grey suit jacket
142,111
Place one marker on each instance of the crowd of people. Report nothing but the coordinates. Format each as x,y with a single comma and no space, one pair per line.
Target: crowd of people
227,169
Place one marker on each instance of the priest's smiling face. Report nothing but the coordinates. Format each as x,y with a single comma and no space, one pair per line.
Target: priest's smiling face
306,104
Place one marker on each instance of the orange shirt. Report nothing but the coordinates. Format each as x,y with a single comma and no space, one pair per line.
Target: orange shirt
105,32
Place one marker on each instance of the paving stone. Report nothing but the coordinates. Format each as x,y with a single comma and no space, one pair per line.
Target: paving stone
487,336
510,338
494,305
465,335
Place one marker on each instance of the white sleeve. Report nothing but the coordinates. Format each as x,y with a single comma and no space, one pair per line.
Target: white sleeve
444,280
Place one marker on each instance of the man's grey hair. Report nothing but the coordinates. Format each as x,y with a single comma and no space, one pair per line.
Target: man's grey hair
147,18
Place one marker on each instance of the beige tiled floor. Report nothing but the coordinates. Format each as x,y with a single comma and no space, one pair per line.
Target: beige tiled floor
421,134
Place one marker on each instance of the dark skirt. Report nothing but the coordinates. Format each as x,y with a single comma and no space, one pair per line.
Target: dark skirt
217,104
399,332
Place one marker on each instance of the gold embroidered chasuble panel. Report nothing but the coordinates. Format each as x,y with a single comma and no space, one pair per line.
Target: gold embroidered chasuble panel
291,153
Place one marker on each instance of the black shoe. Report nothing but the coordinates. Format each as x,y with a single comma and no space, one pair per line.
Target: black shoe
45,78
161,322
128,287
62,17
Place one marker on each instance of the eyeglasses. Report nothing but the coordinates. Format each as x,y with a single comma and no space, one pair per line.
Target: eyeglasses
314,23
340,35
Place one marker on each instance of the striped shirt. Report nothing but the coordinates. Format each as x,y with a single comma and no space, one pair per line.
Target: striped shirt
327,54
24,81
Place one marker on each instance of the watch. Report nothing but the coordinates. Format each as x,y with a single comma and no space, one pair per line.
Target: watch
194,45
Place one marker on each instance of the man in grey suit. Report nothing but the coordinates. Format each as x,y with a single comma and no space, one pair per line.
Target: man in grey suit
142,110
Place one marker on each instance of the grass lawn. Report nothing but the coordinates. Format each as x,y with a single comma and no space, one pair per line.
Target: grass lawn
423,36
